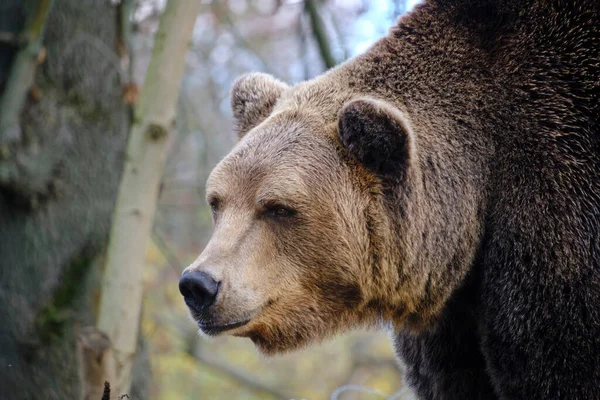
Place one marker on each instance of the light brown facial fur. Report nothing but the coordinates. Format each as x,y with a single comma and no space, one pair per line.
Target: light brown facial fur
349,247
275,268
316,269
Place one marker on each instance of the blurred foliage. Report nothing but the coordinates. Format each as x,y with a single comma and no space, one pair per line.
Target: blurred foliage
232,37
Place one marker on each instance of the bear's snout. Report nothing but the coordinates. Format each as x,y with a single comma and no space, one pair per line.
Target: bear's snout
199,290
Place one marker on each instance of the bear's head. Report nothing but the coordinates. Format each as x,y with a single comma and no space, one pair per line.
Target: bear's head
306,241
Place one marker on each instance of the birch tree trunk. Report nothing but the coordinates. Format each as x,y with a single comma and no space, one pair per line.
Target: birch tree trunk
121,297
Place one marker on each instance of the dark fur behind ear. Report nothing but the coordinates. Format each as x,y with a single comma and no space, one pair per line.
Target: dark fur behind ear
378,135
253,97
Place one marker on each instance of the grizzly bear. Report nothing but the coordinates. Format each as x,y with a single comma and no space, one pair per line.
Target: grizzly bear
445,185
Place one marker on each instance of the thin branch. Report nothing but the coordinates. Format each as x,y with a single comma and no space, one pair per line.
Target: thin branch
224,17
125,52
302,45
240,376
22,73
335,23
320,33
170,256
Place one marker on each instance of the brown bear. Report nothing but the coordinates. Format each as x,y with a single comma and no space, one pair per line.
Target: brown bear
445,184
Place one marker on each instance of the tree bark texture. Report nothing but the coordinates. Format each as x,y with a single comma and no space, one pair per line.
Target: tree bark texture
57,193
121,297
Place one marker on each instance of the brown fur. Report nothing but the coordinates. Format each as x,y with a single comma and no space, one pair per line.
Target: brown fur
297,142
402,170
295,156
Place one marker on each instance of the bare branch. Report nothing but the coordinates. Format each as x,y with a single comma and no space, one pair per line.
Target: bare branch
174,262
22,72
320,33
224,17
241,377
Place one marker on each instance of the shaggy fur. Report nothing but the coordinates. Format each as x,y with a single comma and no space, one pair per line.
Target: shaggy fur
445,182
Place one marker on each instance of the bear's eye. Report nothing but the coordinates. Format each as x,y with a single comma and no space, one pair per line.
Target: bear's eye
214,205
279,211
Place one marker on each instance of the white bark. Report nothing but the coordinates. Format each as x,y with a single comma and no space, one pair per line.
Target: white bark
121,297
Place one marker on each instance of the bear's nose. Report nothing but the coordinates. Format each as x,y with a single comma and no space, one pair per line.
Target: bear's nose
199,289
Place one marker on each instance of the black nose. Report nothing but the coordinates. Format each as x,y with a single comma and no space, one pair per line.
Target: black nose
199,289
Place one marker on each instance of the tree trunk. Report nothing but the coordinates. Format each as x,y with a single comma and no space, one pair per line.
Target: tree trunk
146,152
58,183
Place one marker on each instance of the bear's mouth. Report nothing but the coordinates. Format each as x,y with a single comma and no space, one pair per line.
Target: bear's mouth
208,326
214,329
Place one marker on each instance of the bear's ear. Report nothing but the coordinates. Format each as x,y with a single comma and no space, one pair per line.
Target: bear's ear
253,97
378,135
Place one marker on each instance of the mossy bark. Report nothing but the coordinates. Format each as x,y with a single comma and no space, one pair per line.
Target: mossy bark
56,206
